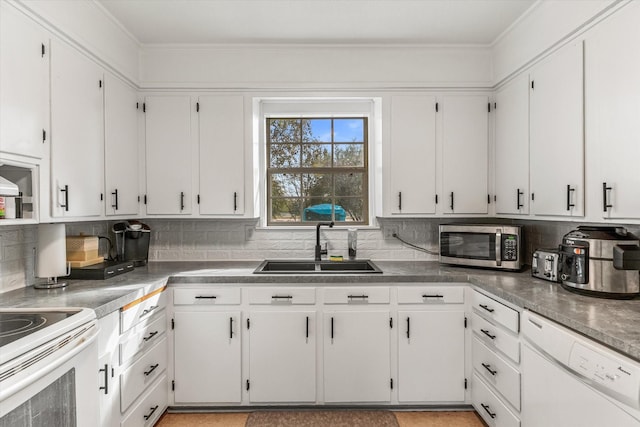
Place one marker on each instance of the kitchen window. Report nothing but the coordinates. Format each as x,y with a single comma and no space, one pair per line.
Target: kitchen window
317,170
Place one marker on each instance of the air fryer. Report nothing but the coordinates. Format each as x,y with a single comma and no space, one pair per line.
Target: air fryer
132,241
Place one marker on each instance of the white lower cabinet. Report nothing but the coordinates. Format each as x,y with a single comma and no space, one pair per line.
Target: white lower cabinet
282,356
108,365
207,357
357,356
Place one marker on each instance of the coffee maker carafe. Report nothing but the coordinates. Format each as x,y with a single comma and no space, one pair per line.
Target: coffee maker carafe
132,241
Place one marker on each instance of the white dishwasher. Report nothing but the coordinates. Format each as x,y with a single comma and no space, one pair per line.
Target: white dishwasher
569,380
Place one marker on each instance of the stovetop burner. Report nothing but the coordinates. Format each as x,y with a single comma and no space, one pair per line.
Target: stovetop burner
16,325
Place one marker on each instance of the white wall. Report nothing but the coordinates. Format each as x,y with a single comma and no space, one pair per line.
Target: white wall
293,67
90,26
544,25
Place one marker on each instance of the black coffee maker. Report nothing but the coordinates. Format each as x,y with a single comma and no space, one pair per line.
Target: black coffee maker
132,241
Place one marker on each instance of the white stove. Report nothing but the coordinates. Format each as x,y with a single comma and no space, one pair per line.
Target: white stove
48,360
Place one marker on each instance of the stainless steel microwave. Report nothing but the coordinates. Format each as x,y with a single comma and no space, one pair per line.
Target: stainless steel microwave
482,245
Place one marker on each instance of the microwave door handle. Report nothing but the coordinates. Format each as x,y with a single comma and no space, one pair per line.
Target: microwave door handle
498,248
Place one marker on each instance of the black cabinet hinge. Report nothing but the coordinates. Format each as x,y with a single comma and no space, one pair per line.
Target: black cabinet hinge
488,199
495,106
138,199
391,383
495,198
465,384
436,199
532,84
248,323
144,107
436,107
248,385
44,135
197,107
42,50
489,107
198,198
137,105
173,385
145,199
391,322
99,83
101,197
173,324
465,322
533,196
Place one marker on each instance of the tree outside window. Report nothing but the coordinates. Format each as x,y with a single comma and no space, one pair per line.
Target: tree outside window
317,170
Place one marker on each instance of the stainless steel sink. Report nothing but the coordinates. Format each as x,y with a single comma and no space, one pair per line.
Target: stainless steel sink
364,266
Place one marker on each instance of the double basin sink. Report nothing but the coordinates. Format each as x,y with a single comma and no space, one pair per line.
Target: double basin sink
317,267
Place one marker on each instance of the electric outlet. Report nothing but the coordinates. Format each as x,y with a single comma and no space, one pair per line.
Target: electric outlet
389,231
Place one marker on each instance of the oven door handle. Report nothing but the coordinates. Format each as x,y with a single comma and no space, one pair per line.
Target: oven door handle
498,248
49,362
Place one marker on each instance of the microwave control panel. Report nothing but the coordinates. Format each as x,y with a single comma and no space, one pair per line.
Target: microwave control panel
509,247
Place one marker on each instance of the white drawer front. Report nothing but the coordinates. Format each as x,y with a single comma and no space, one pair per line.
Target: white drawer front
143,336
207,296
496,337
150,406
496,311
141,309
489,406
135,379
282,296
497,372
356,295
430,295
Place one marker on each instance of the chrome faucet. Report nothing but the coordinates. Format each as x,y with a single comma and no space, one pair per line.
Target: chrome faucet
319,250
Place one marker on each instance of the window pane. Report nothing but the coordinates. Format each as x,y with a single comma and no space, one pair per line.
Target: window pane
285,210
317,209
284,156
316,155
348,130
284,130
351,155
353,208
285,185
349,184
316,130
316,185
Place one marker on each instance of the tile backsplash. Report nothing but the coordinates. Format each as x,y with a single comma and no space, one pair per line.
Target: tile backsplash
211,240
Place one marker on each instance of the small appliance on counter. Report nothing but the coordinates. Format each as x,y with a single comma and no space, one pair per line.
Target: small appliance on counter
132,241
86,262
545,264
496,246
588,266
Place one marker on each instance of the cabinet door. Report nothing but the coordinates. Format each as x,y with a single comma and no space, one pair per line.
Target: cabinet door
357,356
412,155
207,357
557,136
121,148
221,154
282,357
77,142
431,356
24,84
465,154
168,154
613,64
107,371
512,147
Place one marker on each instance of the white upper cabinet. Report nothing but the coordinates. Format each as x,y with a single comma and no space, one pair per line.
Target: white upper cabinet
412,153
613,87
24,85
221,127
557,135
77,141
121,148
465,135
168,154
512,147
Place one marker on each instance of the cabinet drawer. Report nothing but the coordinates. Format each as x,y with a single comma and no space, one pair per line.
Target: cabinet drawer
135,379
150,406
142,308
282,296
430,295
497,372
356,295
489,406
207,296
495,337
498,312
143,336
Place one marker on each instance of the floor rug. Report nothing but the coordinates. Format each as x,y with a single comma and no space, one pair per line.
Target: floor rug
313,418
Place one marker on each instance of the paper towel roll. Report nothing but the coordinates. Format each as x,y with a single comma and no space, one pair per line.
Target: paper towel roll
52,251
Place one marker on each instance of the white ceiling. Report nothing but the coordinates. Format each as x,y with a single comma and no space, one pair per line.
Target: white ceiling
316,21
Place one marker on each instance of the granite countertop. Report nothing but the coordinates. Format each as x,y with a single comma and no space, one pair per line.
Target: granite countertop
612,322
